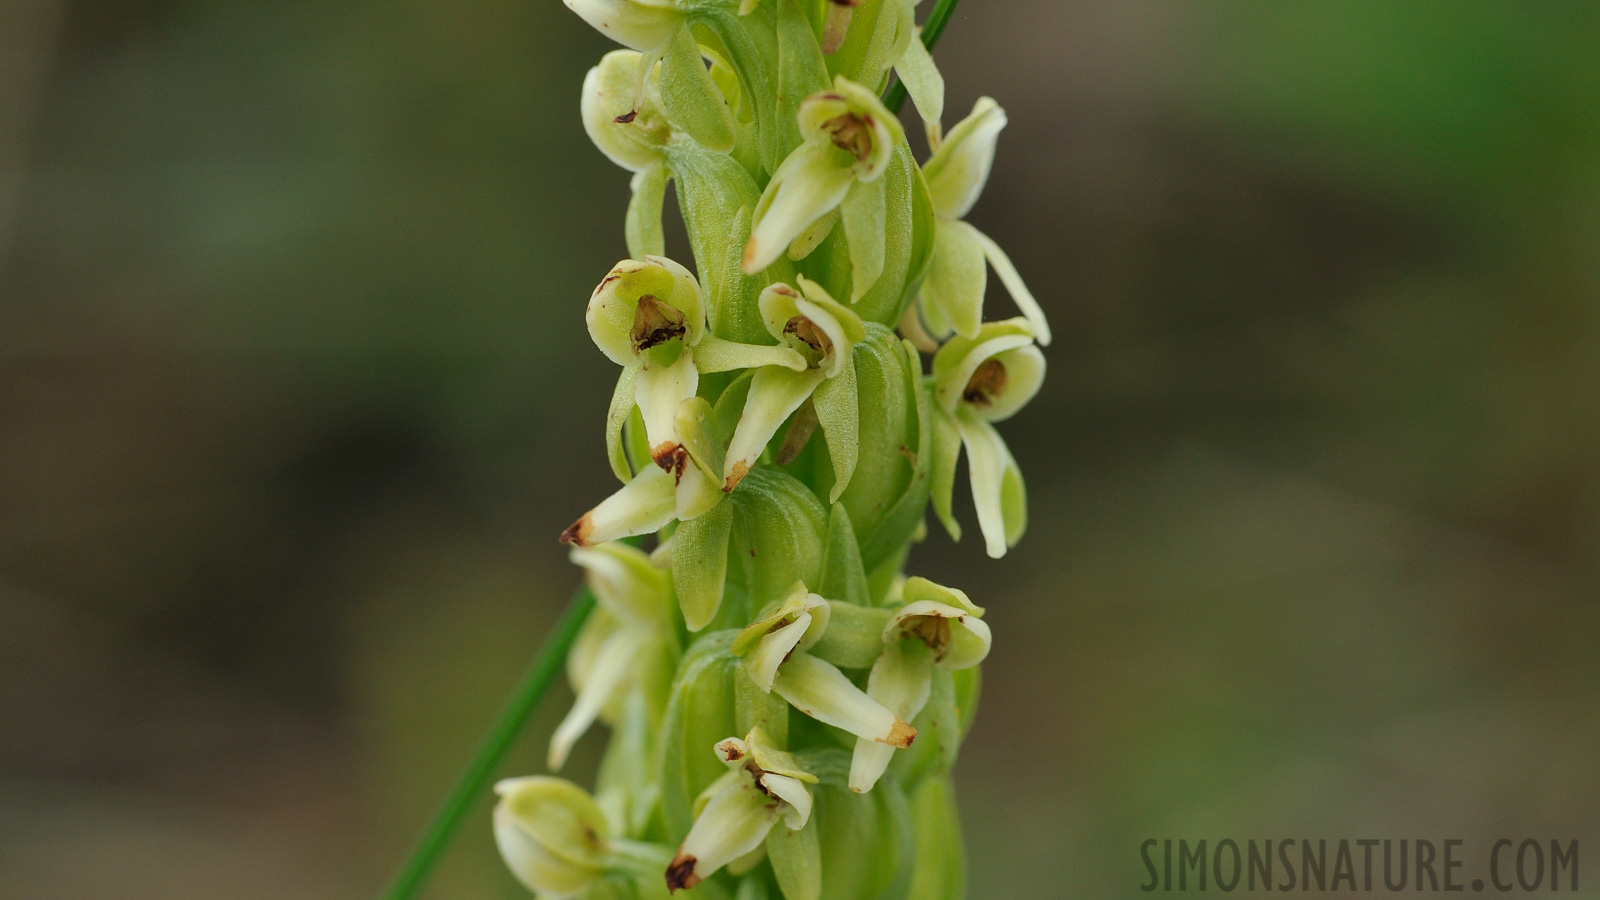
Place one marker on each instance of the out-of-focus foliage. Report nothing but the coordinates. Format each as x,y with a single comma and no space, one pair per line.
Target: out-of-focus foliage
292,366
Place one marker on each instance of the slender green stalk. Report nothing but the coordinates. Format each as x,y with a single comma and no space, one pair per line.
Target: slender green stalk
931,30
469,787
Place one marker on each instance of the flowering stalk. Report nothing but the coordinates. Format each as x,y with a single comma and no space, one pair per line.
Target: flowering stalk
785,704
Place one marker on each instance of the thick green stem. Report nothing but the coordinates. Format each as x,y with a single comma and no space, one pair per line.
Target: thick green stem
931,29
470,786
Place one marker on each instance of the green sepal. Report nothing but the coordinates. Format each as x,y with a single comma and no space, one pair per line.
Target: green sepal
969,686
796,858
940,871
642,227
837,412
779,528
755,708
854,638
750,45
889,493
802,71
866,838
863,214
617,416
956,281
716,196
636,446
701,712
700,564
691,101
868,49
843,576
908,230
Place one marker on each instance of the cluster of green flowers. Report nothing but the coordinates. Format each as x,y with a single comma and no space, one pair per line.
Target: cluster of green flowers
785,704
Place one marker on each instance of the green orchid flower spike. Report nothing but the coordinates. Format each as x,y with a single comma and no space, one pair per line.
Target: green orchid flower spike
783,445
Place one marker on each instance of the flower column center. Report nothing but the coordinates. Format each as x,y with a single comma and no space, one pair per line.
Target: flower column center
986,383
851,133
813,342
655,323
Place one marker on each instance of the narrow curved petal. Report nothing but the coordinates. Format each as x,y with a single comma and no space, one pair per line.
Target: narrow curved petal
1026,304
610,670
960,167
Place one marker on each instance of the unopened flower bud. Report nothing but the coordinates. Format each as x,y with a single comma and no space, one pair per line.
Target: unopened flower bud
551,834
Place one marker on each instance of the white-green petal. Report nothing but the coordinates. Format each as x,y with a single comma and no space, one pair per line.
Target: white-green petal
551,834
864,214
700,565
822,692
957,277
762,660
734,822
997,490
713,354
1026,304
608,92
813,235
642,227
775,394
942,477
612,665
642,26
641,506
658,392
960,167
900,680
962,643
808,185
625,583
796,798
697,494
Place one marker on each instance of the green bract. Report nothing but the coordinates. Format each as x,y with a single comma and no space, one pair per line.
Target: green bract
785,704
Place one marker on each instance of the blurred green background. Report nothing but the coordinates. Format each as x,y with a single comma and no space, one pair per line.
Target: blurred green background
295,396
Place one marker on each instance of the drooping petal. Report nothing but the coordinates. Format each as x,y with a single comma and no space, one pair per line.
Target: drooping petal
658,392
808,185
823,692
641,506
642,227
774,395
900,681
617,416
997,490
734,822
1026,304
612,665
960,167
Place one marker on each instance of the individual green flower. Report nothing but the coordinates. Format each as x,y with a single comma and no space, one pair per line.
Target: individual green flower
849,138
649,317
951,297
774,650
979,381
821,332
660,31
763,786
623,647
551,834
937,626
